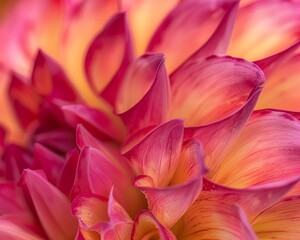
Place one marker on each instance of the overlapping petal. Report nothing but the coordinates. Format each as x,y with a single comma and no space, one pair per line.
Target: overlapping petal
148,78
253,37
187,22
54,216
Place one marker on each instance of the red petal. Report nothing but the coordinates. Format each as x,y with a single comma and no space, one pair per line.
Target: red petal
170,203
157,155
144,95
51,205
50,81
207,83
108,57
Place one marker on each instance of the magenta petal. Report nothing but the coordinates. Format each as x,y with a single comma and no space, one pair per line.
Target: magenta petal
50,81
93,119
25,101
51,205
108,57
207,82
147,226
19,227
253,200
143,100
170,203
157,154
49,161
189,22
228,128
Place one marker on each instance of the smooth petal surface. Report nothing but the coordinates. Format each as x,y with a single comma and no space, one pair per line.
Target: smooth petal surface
252,200
281,221
96,173
170,203
226,129
215,220
50,81
51,205
253,36
281,88
157,155
145,15
145,90
146,226
187,23
267,150
78,23
209,84
108,57
93,119
19,227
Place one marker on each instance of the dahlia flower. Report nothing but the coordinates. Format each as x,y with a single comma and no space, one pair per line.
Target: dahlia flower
128,119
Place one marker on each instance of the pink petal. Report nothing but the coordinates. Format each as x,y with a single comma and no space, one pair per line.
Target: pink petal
281,221
49,161
49,79
228,129
219,40
93,119
51,205
108,57
19,227
145,15
170,203
67,175
253,200
207,83
267,150
109,219
16,159
157,155
96,173
208,219
11,198
146,226
25,101
281,89
144,91
78,23
190,22
253,36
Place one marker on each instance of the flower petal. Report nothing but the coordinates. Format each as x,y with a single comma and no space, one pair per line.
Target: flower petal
49,161
281,89
267,150
157,155
51,205
253,36
170,203
146,226
93,119
78,21
96,173
207,83
108,56
145,90
187,23
145,15
19,227
228,129
253,200
281,221
208,219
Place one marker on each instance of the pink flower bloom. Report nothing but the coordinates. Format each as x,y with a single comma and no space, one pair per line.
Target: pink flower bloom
149,119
